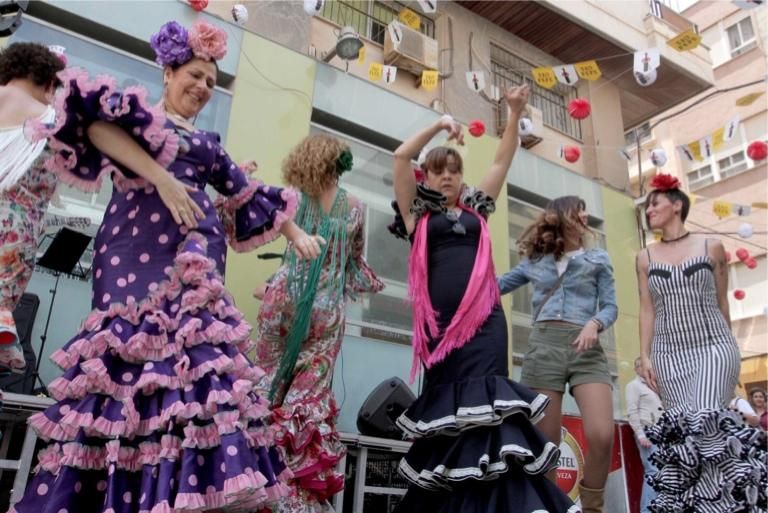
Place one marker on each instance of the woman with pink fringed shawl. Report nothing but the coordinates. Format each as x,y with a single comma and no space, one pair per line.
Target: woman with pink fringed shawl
470,451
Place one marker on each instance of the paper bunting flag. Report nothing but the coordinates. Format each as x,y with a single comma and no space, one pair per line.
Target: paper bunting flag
718,138
695,149
693,198
748,4
742,210
647,60
730,128
476,80
390,73
545,77
760,204
375,71
721,208
429,79
566,74
495,93
687,153
410,18
395,33
361,55
748,99
705,146
686,40
313,7
588,70
428,6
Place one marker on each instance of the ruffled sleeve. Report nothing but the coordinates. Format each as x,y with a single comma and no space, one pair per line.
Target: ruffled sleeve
360,278
80,102
251,211
426,200
478,201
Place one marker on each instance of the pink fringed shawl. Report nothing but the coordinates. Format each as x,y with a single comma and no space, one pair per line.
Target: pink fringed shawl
481,296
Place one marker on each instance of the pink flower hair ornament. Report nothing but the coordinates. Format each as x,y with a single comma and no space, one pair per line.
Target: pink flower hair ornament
174,45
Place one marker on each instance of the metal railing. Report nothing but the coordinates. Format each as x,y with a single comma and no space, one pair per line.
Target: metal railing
370,17
509,70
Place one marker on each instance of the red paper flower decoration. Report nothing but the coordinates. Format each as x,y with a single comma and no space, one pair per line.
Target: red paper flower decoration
664,182
757,150
739,294
571,153
198,5
579,108
419,174
742,254
476,128
751,263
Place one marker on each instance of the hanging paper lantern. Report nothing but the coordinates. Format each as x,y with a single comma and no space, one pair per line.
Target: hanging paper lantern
313,7
742,254
751,263
646,79
739,294
476,128
745,230
571,153
579,108
659,157
198,5
240,14
728,256
757,150
525,127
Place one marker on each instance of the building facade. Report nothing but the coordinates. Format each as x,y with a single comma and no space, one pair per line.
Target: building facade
274,89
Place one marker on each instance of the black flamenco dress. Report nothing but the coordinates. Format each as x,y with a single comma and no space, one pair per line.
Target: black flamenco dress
475,448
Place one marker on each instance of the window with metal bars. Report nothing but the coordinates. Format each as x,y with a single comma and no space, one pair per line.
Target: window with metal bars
370,17
510,70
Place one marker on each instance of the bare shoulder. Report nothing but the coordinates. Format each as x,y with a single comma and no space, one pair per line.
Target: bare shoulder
641,258
16,106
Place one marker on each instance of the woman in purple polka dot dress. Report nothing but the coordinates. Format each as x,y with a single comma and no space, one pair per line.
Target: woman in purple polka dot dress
155,411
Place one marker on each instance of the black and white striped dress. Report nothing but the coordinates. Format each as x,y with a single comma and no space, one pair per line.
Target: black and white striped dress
709,460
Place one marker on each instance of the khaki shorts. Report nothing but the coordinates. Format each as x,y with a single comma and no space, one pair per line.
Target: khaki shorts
551,360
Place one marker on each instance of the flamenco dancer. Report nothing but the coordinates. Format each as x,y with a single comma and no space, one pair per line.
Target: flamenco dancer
302,318
27,83
708,459
475,447
155,408
573,301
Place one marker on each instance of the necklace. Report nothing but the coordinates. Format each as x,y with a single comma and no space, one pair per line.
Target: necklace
686,234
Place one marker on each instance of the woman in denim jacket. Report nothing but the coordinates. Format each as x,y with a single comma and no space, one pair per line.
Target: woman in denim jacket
573,301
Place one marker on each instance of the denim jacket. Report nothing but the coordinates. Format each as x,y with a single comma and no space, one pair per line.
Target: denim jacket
586,291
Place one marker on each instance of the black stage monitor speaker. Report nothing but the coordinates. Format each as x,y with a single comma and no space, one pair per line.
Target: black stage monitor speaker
383,406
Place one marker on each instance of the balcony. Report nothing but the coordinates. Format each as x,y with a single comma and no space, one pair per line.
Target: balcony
370,17
589,29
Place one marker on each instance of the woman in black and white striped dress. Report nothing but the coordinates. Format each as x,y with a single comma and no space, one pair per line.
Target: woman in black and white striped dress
709,460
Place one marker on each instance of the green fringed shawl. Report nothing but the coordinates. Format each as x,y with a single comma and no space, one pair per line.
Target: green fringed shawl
304,275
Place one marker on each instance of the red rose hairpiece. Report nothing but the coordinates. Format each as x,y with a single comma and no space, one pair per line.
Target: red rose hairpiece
664,182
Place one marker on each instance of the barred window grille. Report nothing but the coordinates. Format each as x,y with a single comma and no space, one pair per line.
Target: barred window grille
370,17
510,70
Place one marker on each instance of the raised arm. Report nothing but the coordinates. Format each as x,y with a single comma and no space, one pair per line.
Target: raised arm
717,254
115,143
405,181
647,318
493,181
514,278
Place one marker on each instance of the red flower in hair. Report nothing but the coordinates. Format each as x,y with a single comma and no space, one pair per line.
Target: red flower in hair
665,182
419,174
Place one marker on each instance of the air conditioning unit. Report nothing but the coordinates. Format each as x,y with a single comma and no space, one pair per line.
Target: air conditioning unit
414,53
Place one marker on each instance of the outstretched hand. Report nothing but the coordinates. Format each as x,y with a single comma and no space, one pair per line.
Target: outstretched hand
517,97
454,129
249,167
176,197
